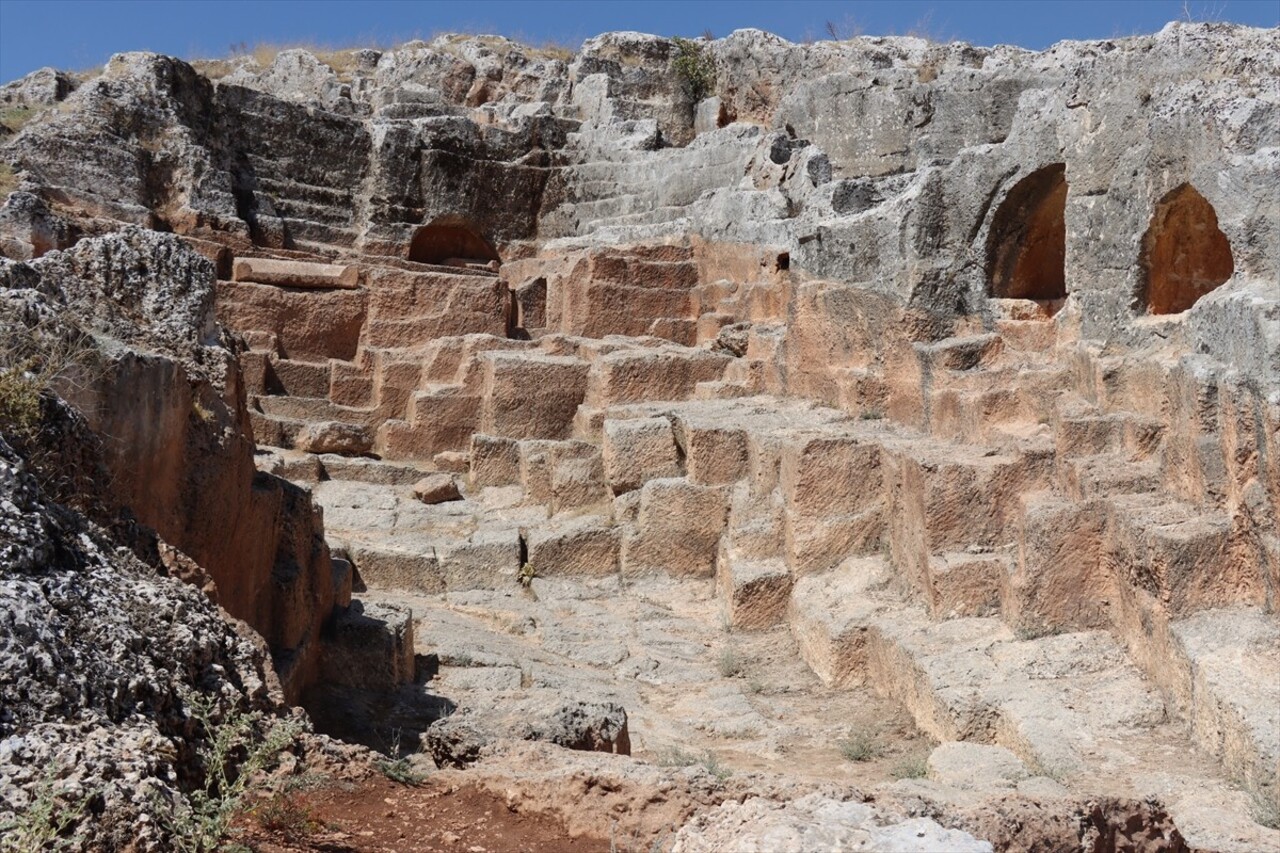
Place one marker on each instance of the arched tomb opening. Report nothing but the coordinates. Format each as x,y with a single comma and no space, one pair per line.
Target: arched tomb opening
451,241
1027,246
1184,253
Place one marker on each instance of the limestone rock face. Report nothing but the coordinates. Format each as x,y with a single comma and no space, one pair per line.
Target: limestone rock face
41,88
899,148
463,738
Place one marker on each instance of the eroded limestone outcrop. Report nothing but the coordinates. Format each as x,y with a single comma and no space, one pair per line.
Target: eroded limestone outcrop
101,655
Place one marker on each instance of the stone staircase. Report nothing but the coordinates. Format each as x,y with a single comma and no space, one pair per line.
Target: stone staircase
1016,559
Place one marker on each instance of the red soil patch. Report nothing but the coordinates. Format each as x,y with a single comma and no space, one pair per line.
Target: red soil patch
381,816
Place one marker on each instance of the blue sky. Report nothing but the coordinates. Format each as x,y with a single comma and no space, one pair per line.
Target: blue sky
76,34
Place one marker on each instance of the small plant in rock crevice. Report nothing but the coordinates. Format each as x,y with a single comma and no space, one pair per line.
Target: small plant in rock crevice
37,358
202,412
694,69
1037,632
675,757
288,816
400,770
19,399
14,118
8,180
1264,810
49,821
711,763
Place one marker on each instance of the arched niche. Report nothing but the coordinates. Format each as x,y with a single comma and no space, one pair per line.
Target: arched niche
1184,253
450,239
1027,242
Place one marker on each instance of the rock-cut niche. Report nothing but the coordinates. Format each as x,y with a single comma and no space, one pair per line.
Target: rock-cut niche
1184,253
450,240
1027,247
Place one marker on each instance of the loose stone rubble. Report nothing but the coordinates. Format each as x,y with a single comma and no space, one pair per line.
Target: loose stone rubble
934,380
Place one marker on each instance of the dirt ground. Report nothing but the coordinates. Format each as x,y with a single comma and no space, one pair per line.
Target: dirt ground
378,815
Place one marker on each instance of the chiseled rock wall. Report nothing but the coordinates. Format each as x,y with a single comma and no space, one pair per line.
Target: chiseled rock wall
886,177
167,402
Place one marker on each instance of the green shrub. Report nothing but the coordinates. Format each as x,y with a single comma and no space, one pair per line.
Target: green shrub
401,771
236,748
19,400
675,757
33,359
1264,810
14,119
711,763
694,70
287,816
8,181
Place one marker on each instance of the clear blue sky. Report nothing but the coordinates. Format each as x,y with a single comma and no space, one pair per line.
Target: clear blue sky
75,34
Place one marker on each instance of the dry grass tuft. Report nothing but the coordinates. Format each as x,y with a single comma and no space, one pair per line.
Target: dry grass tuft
861,745
13,119
8,181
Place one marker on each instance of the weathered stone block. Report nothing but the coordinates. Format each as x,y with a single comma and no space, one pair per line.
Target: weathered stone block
370,647
531,396
495,461
334,437
581,547
638,450
677,530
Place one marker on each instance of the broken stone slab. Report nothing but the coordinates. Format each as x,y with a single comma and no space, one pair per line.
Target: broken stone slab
976,766
297,273
452,461
436,489
463,738
334,437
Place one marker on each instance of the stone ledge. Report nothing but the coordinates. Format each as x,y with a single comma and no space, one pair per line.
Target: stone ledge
297,273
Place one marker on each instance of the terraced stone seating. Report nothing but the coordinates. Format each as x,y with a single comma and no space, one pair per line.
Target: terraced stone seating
992,529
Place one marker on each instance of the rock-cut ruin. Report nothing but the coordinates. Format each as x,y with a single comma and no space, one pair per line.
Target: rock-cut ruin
704,445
